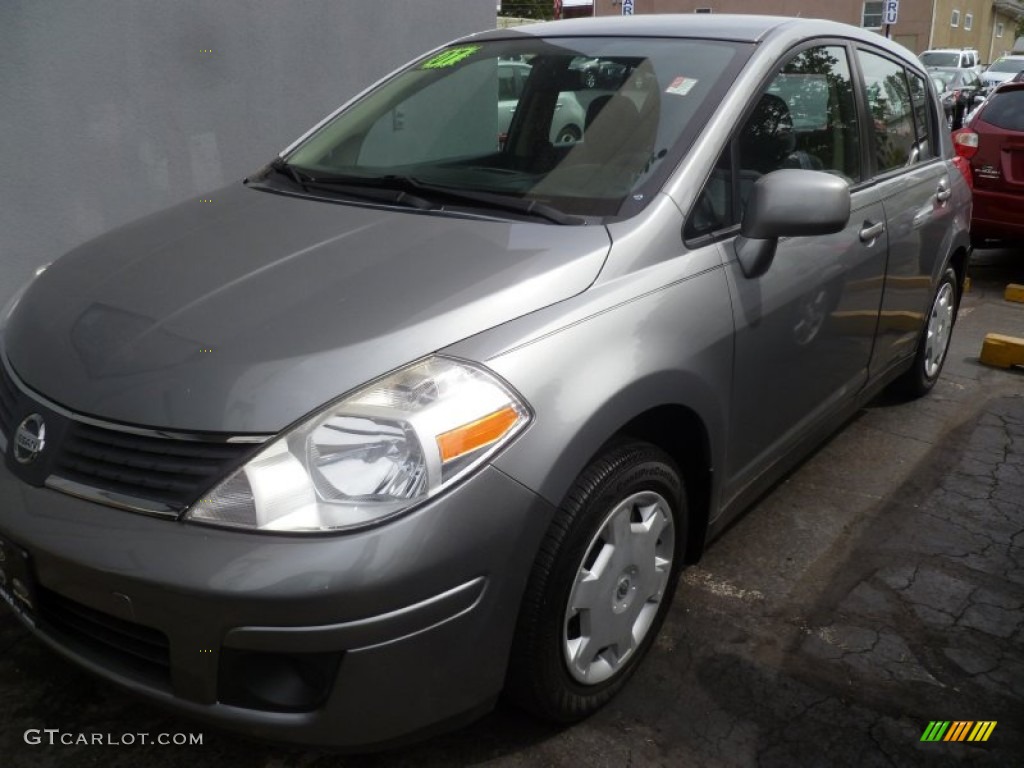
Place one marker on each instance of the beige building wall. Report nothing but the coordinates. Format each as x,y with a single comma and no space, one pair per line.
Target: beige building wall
984,27
1003,31
914,28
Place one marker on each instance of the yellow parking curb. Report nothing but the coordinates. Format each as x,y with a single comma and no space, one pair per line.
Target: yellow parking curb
967,285
1002,351
1014,292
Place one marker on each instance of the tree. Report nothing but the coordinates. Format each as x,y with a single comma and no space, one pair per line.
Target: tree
528,9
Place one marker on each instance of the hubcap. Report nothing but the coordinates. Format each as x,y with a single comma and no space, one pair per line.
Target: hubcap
940,326
618,587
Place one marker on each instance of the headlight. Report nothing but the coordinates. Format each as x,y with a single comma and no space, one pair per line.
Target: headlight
389,446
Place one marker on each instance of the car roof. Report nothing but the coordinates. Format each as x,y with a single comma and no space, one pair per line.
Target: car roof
736,27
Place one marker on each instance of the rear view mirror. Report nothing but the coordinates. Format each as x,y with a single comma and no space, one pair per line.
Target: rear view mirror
789,203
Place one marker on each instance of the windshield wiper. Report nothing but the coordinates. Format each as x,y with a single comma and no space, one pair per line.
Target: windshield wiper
350,186
368,188
290,171
501,202
400,190
533,208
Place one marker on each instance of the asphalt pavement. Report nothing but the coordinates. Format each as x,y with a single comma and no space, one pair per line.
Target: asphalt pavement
876,590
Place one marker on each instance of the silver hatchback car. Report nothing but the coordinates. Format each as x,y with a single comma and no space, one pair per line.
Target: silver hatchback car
430,408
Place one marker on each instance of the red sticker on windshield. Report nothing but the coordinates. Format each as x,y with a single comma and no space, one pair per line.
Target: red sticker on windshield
681,86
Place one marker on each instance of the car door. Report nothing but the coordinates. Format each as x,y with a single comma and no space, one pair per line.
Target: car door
804,328
913,184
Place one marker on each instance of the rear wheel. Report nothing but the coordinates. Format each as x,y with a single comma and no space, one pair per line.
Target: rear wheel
934,342
601,585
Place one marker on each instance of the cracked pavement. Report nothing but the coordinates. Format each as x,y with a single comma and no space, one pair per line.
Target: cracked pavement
877,588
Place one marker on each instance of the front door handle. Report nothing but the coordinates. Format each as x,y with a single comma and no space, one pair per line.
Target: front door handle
943,193
871,231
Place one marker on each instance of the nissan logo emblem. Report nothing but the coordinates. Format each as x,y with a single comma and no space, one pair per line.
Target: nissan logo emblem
30,439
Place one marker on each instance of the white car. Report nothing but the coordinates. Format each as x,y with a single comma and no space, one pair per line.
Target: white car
961,58
1002,70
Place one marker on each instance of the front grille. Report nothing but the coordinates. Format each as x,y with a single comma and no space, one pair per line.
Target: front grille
8,396
140,650
166,471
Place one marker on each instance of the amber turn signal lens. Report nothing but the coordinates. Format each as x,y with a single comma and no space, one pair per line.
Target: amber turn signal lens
476,434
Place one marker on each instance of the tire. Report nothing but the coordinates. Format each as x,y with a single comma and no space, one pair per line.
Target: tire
569,134
621,530
933,345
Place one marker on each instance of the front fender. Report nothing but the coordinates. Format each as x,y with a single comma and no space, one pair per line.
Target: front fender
588,380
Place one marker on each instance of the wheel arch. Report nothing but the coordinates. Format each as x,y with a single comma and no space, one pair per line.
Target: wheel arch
958,261
654,409
682,434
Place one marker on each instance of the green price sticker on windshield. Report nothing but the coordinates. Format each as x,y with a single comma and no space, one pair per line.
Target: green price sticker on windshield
450,57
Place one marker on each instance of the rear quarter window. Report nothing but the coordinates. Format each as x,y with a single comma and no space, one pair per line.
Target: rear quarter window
1006,110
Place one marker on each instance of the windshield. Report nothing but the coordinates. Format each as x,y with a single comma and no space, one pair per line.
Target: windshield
940,59
588,126
943,79
1007,65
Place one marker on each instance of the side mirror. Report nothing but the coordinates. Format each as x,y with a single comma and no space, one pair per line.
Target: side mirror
789,203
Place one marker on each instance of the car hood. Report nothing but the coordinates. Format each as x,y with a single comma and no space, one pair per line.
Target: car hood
245,313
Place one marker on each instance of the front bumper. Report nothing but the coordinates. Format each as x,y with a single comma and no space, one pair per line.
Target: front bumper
411,622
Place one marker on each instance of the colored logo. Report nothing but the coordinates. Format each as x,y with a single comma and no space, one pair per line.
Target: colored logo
958,730
29,439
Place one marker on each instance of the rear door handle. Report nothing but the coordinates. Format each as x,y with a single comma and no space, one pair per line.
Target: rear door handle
871,231
943,193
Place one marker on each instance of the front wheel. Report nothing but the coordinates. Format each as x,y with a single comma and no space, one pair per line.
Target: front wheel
934,342
601,585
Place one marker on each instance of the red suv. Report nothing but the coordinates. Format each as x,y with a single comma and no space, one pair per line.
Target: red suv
993,143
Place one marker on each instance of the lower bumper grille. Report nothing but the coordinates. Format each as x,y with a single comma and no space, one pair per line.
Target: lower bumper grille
141,651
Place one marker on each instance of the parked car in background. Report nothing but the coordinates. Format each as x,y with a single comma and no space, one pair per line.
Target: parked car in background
600,73
1002,70
959,90
958,58
993,143
1019,78
412,417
